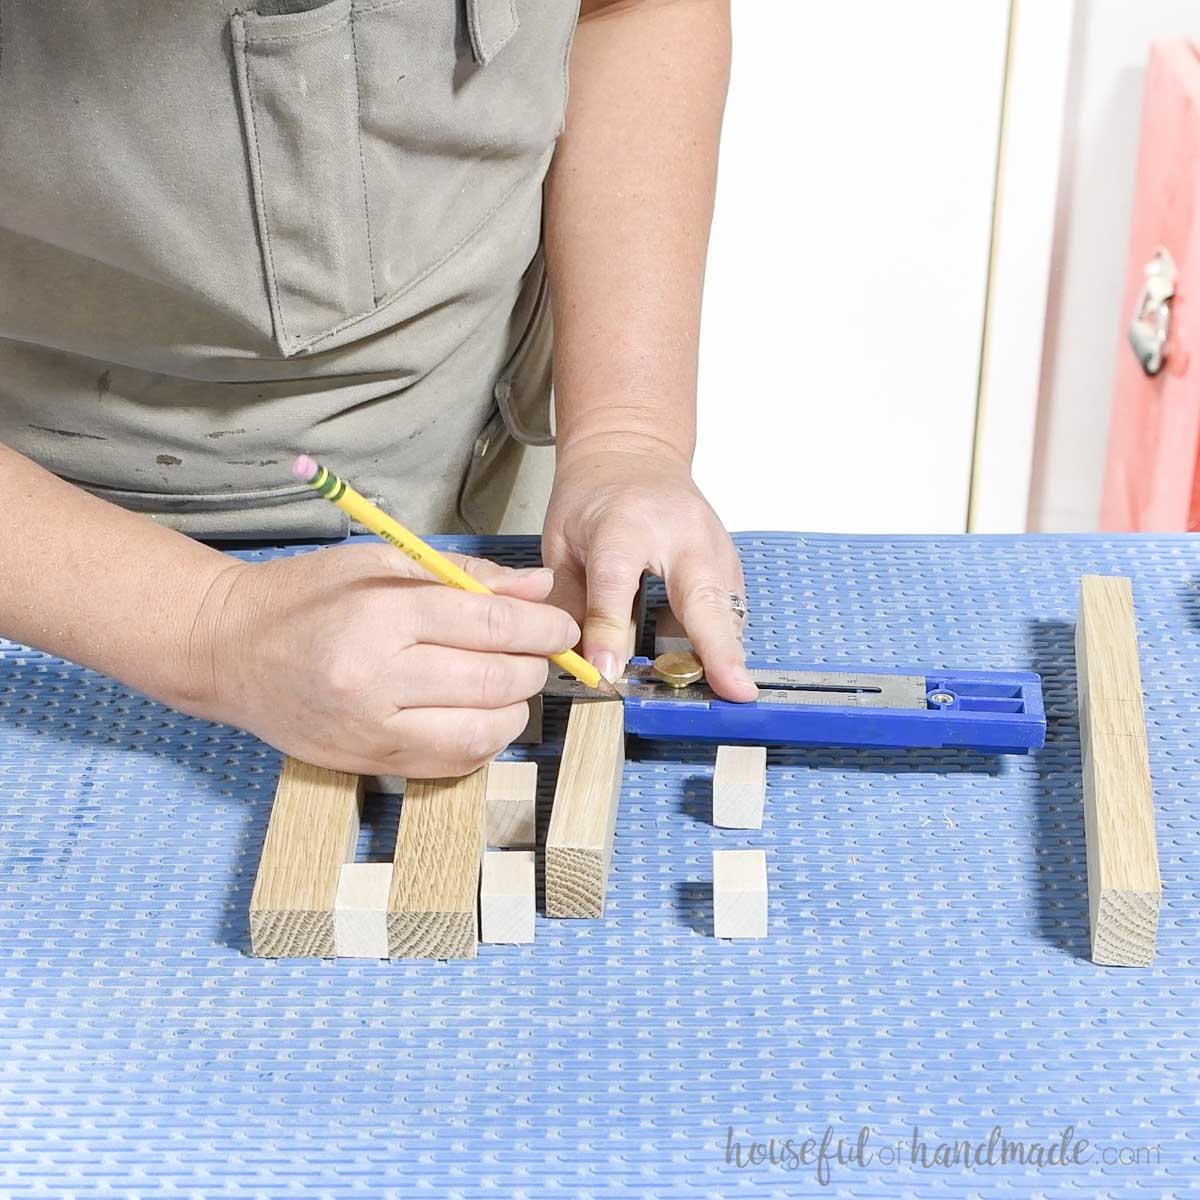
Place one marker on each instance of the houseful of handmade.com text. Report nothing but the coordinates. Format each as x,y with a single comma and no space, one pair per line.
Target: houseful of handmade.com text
827,1151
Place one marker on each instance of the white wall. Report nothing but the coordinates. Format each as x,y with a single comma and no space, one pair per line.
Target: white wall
839,358
1084,319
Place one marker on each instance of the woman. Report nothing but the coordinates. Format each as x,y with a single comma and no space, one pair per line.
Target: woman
229,235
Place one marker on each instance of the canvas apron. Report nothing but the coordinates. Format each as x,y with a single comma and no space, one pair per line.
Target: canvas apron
228,236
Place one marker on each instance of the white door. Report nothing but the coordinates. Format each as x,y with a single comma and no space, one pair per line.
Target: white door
843,310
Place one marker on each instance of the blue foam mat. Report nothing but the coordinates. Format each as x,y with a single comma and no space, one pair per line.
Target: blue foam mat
926,965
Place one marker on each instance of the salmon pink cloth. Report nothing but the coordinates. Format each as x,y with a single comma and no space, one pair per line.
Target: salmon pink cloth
1151,480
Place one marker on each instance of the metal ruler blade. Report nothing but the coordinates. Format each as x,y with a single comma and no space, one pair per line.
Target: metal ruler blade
840,689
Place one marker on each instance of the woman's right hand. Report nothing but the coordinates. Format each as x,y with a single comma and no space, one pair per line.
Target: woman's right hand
352,658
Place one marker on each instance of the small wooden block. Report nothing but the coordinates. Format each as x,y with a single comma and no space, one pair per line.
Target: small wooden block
433,905
739,787
507,897
384,785
637,620
312,832
669,634
511,803
360,913
531,735
637,629
740,893
1124,888
580,839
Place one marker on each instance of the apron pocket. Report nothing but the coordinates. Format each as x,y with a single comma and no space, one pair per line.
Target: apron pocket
298,85
261,514
523,391
492,23
461,104
384,137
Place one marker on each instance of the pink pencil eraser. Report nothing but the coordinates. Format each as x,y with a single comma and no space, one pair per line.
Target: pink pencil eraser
305,468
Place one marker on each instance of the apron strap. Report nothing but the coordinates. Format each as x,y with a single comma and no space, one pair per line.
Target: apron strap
492,24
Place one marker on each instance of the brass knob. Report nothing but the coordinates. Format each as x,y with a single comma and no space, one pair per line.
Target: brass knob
678,668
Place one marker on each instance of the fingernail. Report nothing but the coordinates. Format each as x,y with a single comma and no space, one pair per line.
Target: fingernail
530,572
606,663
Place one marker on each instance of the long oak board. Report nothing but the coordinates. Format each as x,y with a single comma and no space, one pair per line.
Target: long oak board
312,832
433,906
1124,888
583,821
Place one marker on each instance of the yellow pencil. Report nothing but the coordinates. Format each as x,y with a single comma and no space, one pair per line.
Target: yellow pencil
369,516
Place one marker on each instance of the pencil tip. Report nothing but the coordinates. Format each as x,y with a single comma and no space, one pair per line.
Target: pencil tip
607,689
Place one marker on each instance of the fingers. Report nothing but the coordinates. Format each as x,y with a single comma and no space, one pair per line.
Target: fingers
436,743
533,583
430,676
447,617
613,577
526,583
699,590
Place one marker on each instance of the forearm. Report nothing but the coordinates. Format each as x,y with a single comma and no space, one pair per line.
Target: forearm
104,587
628,208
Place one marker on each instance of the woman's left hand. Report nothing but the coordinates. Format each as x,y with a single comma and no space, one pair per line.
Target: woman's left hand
615,513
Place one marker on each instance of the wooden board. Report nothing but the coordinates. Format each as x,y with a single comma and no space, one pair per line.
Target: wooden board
384,785
740,893
1150,480
531,735
1124,890
641,609
507,897
312,832
510,800
360,912
432,909
580,838
669,633
739,787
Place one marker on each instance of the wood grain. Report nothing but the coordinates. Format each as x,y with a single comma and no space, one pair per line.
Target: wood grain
510,800
1124,888
739,787
579,841
312,832
432,909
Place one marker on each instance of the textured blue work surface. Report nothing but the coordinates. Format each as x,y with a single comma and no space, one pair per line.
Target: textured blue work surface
925,966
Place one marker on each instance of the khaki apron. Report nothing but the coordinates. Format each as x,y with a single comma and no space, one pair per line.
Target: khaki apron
229,236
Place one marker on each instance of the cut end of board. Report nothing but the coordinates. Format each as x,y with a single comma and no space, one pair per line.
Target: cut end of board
432,935
1125,930
291,934
576,881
